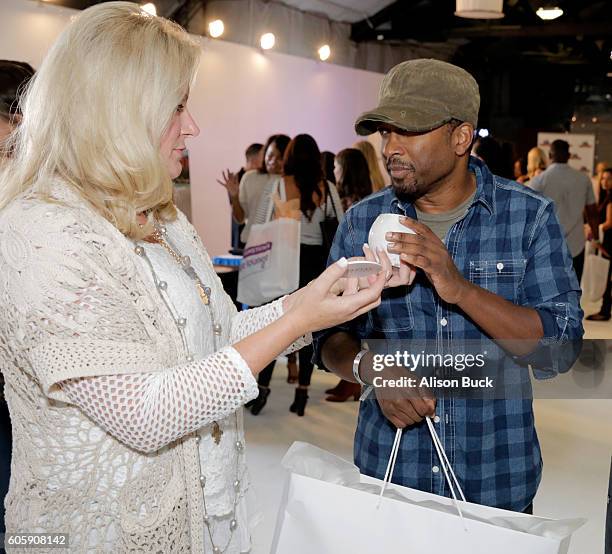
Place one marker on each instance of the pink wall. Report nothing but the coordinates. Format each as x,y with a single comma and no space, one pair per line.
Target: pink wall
241,96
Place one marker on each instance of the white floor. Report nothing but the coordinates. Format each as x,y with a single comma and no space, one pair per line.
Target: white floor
576,438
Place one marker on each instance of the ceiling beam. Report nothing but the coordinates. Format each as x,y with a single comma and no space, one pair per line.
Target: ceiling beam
534,31
599,30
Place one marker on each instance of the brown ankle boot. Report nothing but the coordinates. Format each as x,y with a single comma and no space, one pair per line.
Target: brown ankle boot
344,391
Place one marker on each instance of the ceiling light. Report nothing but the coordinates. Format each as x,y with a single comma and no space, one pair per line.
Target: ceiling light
267,41
216,28
324,52
482,133
149,8
549,13
479,9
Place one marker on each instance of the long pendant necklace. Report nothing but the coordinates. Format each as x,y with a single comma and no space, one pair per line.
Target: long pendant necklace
185,263
160,236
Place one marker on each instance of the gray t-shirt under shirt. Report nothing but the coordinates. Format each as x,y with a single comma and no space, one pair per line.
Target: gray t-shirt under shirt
441,223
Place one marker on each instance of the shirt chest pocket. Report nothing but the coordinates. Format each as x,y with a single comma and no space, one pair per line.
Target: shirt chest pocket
502,277
394,313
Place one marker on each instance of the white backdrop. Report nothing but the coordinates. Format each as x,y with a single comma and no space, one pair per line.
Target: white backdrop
241,96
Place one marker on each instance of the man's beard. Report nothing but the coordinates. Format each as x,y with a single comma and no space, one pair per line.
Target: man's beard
406,186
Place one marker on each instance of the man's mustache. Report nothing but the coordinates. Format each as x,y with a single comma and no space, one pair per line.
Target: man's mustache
396,163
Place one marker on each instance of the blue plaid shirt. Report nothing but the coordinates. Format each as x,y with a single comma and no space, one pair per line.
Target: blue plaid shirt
509,242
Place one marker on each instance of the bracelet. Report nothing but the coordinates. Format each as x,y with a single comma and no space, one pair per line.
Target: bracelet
356,363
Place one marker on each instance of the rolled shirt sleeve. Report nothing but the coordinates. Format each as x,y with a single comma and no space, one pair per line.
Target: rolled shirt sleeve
550,287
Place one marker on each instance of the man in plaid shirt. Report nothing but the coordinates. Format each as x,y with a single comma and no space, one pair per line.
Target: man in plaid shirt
491,264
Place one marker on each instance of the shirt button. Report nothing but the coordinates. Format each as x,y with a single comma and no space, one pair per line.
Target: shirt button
435,469
437,419
444,322
500,266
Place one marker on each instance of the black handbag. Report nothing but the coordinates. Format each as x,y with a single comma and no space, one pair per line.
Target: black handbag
329,225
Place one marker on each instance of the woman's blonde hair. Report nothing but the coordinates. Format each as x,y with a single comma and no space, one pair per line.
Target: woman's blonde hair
95,113
536,161
366,148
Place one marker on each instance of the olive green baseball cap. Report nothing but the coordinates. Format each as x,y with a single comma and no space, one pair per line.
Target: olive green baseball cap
421,95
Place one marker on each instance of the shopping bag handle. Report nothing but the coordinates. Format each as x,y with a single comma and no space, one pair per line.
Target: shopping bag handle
444,460
446,467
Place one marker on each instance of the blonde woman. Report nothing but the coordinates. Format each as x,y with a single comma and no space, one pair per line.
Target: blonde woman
366,148
126,364
536,164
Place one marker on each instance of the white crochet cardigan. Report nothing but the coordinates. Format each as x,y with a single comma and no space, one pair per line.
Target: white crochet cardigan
77,304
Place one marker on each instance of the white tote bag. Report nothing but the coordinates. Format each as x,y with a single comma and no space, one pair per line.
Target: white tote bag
329,508
270,267
594,275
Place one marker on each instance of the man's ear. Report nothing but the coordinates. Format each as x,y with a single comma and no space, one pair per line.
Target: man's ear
462,138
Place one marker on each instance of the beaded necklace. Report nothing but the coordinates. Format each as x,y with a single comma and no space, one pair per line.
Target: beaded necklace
160,236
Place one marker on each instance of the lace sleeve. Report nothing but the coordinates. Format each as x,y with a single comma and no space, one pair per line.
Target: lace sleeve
250,321
147,411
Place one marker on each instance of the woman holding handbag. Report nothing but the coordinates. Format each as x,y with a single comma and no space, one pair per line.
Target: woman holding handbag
245,193
301,192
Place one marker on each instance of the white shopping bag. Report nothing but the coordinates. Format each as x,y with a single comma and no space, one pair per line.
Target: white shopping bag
329,508
270,267
595,275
